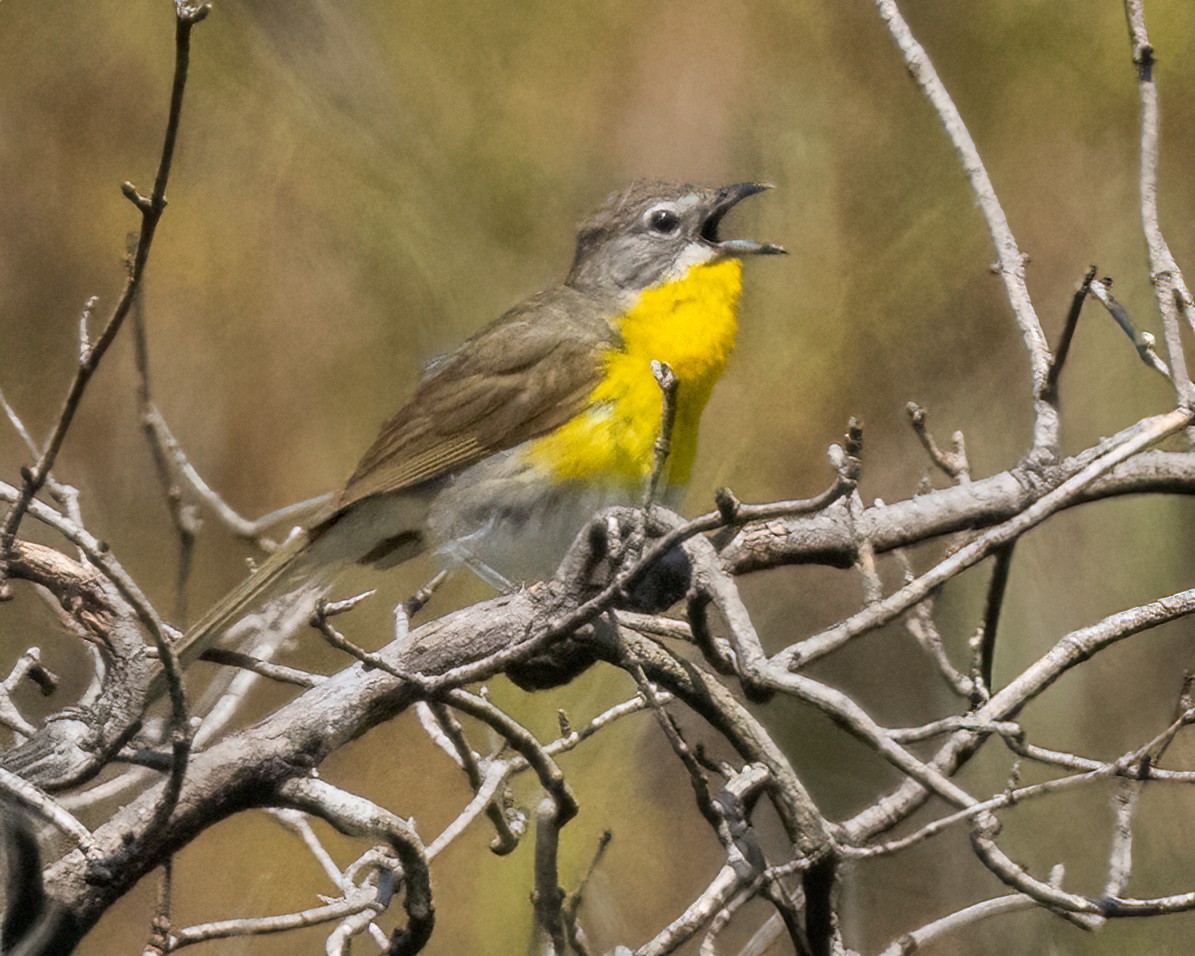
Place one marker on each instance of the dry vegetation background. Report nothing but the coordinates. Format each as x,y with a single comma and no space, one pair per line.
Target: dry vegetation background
360,186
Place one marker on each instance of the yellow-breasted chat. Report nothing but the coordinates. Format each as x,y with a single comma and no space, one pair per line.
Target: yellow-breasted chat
512,440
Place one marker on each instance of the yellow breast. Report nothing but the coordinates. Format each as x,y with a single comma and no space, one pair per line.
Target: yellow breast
691,325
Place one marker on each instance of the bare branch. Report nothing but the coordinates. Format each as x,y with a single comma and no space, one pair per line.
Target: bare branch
954,463
363,900
950,724
668,383
1143,341
151,211
19,426
550,776
1068,333
1071,650
920,624
548,897
1010,260
703,909
180,469
1169,285
1077,909
267,669
1002,565
605,605
852,718
1120,857
185,521
299,824
159,927
505,839
1129,442
356,816
828,538
25,794
975,913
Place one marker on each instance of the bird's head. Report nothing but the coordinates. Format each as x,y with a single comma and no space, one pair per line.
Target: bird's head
655,232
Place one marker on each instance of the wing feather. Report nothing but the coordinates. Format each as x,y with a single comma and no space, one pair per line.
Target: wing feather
524,375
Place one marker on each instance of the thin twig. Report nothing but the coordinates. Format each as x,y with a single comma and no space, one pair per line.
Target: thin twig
29,665
19,426
1120,855
550,776
299,824
498,772
703,909
669,384
1125,800
953,463
186,522
320,621
997,586
151,209
855,720
505,839
1129,442
159,927
913,942
573,900
419,600
548,897
1167,277
1072,649
1142,341
363,900
21,792
375,869
1010,260
353,815
946,725
247,529
919,622
865,562
1068,333
268,669
578,617
1072,907
697,777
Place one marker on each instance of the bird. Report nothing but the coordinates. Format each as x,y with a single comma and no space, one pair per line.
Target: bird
523,431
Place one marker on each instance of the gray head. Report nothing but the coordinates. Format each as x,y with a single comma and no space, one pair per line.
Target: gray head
654,232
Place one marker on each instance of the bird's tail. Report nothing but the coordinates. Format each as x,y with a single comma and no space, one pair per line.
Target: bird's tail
286,576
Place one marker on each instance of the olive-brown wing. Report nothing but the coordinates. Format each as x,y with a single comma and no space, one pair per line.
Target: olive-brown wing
521,377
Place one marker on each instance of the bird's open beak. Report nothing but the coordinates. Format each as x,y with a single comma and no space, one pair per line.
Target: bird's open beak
728,197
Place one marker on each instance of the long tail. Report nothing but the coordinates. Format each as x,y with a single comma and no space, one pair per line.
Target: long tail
280,574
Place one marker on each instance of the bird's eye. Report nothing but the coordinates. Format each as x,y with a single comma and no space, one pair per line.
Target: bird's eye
663,221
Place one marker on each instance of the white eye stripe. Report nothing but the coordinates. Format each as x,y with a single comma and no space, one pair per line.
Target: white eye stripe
675,208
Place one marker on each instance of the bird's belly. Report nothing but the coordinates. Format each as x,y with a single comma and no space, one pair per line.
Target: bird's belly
512,517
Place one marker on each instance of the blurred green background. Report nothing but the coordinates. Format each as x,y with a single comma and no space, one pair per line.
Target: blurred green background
360,186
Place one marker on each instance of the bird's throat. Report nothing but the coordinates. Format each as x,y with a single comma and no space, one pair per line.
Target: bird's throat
690,324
